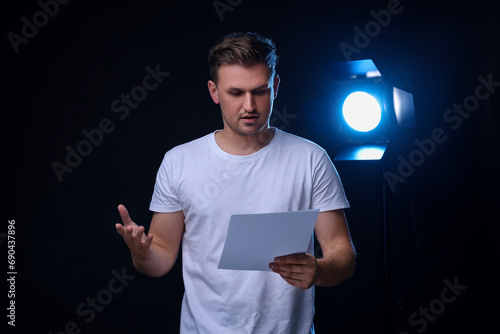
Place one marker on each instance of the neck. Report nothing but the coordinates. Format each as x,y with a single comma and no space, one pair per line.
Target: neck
238,144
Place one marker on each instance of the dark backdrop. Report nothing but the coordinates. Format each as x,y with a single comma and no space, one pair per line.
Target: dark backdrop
61,79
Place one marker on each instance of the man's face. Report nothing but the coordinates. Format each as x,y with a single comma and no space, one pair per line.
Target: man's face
245,96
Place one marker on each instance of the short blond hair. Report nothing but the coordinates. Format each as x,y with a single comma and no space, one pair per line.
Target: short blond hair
245,49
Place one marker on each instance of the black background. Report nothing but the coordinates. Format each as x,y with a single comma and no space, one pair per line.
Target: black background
443,219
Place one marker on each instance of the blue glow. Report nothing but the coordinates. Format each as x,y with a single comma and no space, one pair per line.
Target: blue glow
370,153
363,152
362,111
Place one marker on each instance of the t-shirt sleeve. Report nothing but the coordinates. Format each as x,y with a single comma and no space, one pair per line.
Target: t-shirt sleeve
165,197
328,192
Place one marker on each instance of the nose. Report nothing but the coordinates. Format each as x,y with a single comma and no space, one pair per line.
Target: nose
249,102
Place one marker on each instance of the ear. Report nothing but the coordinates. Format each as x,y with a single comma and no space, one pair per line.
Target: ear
276,84
214,93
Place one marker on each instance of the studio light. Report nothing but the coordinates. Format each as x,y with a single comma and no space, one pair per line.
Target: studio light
359,108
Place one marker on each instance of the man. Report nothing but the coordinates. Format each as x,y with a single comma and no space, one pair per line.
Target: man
247,167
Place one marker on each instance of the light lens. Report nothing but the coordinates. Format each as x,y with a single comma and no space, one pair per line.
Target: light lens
362,111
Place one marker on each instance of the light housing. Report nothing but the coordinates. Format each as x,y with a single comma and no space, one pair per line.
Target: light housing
378,109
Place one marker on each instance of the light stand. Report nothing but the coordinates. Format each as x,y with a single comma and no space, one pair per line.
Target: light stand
376,152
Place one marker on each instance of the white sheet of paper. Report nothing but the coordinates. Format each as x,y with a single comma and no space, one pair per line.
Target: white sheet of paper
254,240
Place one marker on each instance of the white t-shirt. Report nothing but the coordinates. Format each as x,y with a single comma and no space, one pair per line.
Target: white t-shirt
210,185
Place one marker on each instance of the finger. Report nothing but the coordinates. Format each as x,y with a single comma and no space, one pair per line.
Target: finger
124,215
285,269
299,283
290,278
128,231
292,258
148,241
120,229
136,235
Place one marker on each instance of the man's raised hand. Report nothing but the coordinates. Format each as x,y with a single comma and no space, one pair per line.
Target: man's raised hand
134,236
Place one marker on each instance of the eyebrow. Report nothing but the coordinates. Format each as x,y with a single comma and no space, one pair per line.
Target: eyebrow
254,89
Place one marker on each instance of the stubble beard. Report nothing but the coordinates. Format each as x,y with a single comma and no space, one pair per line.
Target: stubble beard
242,129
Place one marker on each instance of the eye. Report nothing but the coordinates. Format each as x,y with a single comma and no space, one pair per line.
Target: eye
235,93
260,92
